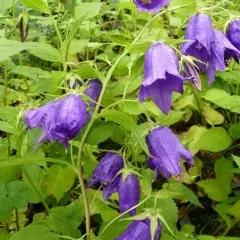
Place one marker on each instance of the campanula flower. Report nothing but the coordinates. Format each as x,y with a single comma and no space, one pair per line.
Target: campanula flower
233,35
150,5
61,120
161,76
107,169
140,230
219,46
129,193
106,173
200,32
166,150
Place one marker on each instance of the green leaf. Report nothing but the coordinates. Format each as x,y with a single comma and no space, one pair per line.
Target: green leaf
223,99
100,132
214,140
4,5
146,182
212,116
90,10
67,219
45,52
224,173
213,189
127,122
58,181
9,48
132,108
167,208
4,235
237,160
185,191
38,5
77,46
234,130
9,113
34,231
7,127
6,207
235,210
30,72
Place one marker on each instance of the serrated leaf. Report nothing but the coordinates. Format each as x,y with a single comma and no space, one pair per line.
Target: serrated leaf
100,132
58,181
214,140
127,122
237,160
213,189
223,99
4,5
67,219
30,72
9,113
9,48
90,9
7,127
45,52
235,210
185,191
38,5
34,231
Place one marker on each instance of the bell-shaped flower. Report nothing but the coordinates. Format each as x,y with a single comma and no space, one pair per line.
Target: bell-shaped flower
129,193
166,151
128,190
199,32
61,120
233,35
219,46
140,230
107,169
161,76
150,5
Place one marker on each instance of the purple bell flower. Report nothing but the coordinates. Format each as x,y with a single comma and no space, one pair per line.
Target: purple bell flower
233,35
129,193
150,5
107,169
166,150
161,76
200,31
140,230
93,91
219,46
105,173
61,120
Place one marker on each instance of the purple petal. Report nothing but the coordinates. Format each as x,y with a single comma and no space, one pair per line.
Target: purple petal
129,193
233,33
107,169
111,188
166,150
150,5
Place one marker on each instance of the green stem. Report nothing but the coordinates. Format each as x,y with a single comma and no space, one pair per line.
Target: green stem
89,126
17,220
236,114
230,227
39,193
73,8
116,218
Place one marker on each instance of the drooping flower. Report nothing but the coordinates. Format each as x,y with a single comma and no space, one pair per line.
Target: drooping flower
208,45
200,31
107,169
233,35
190,72
161,76
166,150
150,5
219,46
140,230
129,193
61,120
106,173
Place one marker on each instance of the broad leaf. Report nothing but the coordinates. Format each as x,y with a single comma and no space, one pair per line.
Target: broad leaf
38,5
